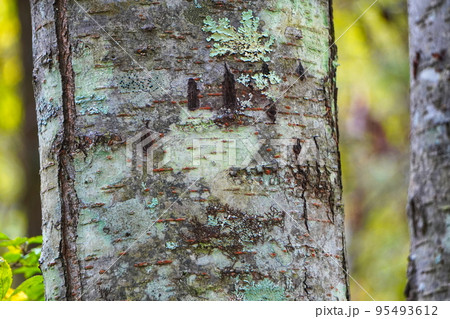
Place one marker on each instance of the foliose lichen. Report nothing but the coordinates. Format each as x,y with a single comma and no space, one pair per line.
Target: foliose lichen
246,42
262,81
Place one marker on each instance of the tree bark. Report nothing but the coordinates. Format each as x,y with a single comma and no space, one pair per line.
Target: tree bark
170,170
429,197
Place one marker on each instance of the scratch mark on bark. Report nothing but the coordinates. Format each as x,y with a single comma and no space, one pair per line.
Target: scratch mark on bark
193,100
272,112
415,64
300,71
265,69
229,91
297,148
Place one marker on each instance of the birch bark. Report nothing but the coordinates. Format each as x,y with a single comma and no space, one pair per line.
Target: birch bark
429,196
226,191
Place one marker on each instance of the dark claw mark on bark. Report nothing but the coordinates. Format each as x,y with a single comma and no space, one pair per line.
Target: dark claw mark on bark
315,141
265,69
415,64
229,91
193,100
439,55
230,105
418,217
297,147
300,70
272,112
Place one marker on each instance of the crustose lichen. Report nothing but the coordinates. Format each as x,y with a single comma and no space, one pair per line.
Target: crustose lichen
246,41
264,290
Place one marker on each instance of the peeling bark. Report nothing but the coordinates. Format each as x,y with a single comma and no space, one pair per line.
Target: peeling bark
232,190
429,196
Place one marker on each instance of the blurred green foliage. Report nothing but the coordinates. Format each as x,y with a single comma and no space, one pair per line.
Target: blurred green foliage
373,80
21,257
12,218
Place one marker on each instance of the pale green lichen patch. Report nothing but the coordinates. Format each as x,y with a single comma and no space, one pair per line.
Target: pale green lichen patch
246,42
214,257
171,245
262,81
94,173
262,291
87,100
203,154
153,204
160,288
340,292
91,104
92,240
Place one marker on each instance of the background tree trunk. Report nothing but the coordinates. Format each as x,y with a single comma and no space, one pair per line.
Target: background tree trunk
429,197
30,156
209,223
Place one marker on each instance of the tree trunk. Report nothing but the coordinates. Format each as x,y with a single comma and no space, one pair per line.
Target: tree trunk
429,197
170,170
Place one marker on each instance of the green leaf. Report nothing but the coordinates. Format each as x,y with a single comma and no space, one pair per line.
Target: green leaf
5,277
32,287
32,258
35,240
3,237
21,240
11,257
14,242
27,271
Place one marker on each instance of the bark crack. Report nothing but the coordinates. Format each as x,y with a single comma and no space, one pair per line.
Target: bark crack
306,287
66,171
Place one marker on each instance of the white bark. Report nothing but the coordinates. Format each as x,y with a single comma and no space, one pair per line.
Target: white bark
230,228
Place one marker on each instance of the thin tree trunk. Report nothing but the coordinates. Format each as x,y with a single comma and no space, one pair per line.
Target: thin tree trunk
170,170
429,196
30,155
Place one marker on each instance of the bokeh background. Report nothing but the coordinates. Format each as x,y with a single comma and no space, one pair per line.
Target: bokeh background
373,80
